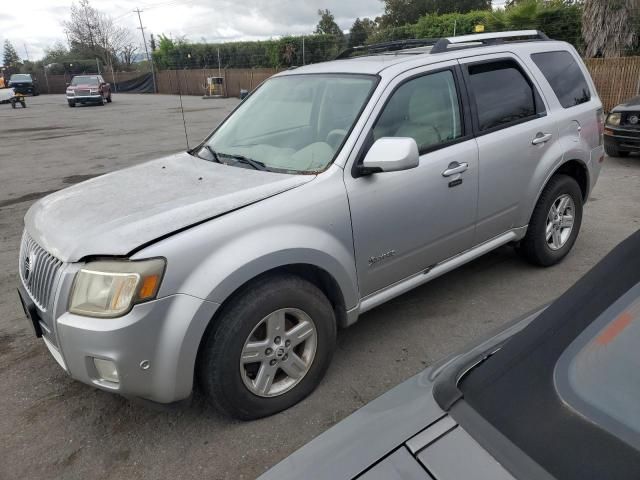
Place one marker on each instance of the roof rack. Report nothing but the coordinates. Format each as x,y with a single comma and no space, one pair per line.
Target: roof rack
388,47
493,38
440,45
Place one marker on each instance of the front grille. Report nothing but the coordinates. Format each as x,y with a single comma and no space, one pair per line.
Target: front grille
38,271
82,93
630,119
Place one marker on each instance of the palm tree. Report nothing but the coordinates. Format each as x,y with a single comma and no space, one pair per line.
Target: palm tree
607,27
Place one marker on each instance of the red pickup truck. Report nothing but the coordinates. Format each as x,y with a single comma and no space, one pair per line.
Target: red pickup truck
88,89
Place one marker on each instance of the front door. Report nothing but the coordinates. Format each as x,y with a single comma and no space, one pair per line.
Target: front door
405,222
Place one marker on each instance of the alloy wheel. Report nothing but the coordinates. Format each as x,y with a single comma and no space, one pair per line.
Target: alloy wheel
278,352
560,221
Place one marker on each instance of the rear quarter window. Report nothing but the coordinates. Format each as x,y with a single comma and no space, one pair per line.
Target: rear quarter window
565,77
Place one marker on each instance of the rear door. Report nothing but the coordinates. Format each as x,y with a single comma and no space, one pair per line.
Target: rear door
513,132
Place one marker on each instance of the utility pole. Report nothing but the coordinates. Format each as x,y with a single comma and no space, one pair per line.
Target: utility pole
219,72
98,64
303,62
146,49
26,51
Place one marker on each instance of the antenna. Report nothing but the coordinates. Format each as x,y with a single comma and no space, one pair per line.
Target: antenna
184,123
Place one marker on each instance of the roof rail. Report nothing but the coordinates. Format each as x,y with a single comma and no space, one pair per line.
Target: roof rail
388,47
488,39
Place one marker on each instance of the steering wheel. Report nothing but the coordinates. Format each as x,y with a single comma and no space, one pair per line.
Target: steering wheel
334,137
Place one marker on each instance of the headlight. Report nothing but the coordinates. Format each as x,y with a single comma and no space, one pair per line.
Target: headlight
613,119
110,288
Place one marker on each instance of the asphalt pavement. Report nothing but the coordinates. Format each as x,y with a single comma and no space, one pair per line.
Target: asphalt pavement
54,427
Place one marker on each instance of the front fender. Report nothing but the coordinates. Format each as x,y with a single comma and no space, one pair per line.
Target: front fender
232,265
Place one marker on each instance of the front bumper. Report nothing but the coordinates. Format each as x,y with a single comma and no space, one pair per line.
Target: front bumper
23,89
84,98
163,334
623,139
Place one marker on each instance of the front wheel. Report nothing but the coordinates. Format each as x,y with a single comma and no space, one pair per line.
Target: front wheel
555,222
614,151
269,349
72,104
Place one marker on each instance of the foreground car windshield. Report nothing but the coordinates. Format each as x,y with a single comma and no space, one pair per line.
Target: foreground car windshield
292,123
85,81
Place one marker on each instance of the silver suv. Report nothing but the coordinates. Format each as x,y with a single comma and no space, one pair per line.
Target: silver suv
330,190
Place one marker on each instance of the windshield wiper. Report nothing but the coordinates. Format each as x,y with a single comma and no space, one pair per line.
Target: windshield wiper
213,153
247,161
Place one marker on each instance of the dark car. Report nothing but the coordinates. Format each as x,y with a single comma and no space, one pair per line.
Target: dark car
555,395
24,83
88,89
622,129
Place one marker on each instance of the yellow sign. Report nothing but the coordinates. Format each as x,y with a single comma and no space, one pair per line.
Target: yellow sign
478,28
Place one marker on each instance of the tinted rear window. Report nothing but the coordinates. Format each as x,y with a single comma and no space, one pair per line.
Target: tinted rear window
502,93
565,77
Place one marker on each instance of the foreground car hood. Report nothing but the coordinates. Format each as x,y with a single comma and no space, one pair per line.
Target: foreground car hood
118,212
369,434
632,104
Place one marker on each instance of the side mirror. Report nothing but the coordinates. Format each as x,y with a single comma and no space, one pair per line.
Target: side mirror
391,154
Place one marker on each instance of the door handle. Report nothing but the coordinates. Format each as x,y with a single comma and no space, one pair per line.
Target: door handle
455,168
541,138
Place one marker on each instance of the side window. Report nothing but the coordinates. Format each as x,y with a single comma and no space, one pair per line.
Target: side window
425,109
502,93
565,77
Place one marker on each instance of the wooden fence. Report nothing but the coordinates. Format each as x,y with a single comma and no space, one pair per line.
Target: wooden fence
193,82
616,79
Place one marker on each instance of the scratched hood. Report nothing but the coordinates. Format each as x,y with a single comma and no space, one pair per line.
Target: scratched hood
115,213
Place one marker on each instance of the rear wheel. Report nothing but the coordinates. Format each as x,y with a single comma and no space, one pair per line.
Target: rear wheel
555,222
72,104
269,349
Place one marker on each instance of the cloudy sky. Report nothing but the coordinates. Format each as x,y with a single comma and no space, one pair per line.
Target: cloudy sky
33,29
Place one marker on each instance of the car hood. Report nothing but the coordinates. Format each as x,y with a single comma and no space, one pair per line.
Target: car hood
631,104
115,213
369,434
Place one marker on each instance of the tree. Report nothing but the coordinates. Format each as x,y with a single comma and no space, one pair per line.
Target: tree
403,12
93,34
608,27
127,53
360,31
10,57
327,24
152,43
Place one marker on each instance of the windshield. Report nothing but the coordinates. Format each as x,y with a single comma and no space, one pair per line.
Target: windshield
294,123
85,81
20,77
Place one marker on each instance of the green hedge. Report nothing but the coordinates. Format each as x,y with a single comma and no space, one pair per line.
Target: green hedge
558,21
283,52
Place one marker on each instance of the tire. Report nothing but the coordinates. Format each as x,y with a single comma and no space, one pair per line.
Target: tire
614,151
222,376
536,247
109,99
72,104
13,104
36,93
101,102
